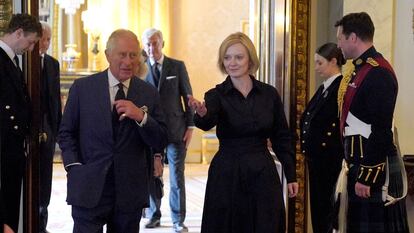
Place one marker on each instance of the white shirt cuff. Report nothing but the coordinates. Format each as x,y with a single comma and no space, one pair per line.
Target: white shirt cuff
144,120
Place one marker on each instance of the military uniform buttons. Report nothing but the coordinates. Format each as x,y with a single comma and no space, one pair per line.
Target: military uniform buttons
323,144
306,122
303,141
308,113
7,106
329,133
16,127
333,124
304,131
303,151
11,117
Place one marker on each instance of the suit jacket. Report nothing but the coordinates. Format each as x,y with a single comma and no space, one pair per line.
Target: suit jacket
54,106
319,124
85,136
14,127
174,87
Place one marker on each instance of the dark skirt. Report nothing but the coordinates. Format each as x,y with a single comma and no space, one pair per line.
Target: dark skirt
370,215
243,193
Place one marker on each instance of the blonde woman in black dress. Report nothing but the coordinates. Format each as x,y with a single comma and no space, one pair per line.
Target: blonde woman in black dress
244,193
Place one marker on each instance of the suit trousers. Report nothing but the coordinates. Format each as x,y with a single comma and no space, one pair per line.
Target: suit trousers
47,150
176,153
92,220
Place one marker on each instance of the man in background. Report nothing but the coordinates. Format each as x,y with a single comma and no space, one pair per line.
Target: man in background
51,114
21,35
170,77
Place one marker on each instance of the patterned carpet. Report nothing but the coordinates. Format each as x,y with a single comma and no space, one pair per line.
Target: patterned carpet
60,220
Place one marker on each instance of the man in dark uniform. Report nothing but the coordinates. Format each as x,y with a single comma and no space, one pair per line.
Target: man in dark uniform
366,124
20,36
51,109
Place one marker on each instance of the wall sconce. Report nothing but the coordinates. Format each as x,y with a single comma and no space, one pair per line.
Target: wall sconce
70,56
92,27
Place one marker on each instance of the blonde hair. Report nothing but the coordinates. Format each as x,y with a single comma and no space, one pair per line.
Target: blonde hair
243,39
110,44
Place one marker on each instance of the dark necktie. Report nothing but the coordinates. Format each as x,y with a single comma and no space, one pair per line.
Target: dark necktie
319,92
120,94
156,73
17,61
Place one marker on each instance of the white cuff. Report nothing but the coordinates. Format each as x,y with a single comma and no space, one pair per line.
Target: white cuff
144,120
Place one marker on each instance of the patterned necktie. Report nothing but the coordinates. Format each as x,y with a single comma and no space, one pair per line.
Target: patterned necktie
156,73
120,94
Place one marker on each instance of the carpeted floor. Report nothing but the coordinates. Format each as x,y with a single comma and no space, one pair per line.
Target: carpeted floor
60,220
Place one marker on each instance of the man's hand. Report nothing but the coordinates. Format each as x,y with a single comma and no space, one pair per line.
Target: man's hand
7,229
362,190
158,167
126,108
293,189
187,137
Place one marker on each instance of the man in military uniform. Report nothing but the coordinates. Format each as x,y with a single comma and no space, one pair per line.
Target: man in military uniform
20,36
366,125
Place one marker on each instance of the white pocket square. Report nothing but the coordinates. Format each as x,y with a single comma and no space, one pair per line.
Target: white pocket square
170,77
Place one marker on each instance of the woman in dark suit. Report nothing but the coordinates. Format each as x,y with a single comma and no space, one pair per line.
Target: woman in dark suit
320,137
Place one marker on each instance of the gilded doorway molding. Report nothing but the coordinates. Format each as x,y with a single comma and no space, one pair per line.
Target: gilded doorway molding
6,11
298,94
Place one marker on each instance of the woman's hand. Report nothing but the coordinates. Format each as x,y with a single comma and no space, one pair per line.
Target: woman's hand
293,189
197,106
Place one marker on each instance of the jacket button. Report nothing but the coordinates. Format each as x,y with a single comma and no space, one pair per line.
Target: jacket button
303,141
323,144
16,127
7,106
306,122
11,117
333,124
329,133
304,131
303,151
308,113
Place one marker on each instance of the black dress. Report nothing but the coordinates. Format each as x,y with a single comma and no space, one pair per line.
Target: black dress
243,191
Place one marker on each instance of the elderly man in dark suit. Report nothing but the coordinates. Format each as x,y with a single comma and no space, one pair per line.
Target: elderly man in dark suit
171,78
111,121
20,36
51,110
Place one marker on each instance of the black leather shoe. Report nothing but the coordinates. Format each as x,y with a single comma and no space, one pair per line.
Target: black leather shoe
153,223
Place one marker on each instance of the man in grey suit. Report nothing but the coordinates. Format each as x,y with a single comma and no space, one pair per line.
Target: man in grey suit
170,77
111,121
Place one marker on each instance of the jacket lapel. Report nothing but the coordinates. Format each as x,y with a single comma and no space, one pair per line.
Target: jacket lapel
166,66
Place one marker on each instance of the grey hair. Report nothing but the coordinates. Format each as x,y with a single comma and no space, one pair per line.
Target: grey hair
45,25
142,67
151,32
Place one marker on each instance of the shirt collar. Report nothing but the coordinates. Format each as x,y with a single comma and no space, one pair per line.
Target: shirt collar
330,80
7,49
160,61
228,85
113,81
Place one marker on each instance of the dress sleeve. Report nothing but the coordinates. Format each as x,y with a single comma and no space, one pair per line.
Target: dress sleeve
281,139
212,101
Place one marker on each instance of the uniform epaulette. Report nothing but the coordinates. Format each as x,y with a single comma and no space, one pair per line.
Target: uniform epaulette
371,175
372,62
